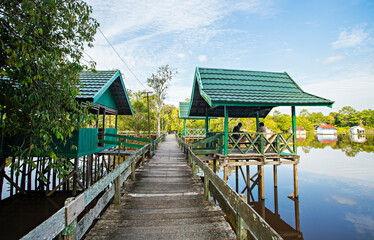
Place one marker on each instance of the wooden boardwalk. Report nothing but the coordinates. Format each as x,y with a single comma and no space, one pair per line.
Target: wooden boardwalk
164,202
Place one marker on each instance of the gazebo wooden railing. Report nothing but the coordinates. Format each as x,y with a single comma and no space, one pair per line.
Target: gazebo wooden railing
247,143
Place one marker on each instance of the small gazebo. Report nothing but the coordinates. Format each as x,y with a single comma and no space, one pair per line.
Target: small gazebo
248,94
183,114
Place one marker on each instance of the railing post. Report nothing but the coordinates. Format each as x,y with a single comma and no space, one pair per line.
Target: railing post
206,188
262,143
133,171
241,232
194,169
70,232
117,190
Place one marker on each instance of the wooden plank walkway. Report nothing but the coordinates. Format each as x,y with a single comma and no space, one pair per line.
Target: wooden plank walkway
164,202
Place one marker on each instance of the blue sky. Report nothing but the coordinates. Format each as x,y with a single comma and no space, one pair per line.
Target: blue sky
327,47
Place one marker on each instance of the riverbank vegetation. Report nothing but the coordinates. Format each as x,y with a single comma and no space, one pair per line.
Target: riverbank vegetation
278,122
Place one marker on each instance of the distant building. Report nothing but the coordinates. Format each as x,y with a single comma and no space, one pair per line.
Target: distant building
325,129
299,131
357,130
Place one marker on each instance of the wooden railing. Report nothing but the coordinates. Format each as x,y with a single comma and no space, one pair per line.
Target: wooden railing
64,222
248,224
246,143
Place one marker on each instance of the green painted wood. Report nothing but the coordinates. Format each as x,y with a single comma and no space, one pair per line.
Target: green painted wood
204,141
204,151
226,139
108,100
293,110
184,127
96,84
254,90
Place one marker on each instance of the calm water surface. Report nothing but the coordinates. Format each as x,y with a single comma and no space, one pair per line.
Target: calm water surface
336,188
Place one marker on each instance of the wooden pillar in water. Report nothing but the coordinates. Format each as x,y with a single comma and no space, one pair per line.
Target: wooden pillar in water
237,179
275,189
295,181
261,183
297,215
248,185
226,125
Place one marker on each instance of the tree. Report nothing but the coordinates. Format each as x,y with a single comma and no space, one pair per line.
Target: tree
42,43
159,83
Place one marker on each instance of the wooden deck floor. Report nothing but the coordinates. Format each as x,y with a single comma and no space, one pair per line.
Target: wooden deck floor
164,202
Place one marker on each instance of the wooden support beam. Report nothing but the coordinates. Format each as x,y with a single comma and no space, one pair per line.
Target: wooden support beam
75,177
295,181
60,184
226,127
14,184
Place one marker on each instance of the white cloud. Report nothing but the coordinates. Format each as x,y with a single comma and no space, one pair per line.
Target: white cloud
202,58
147,34
333,59
353,38
364,224
181,55
344,200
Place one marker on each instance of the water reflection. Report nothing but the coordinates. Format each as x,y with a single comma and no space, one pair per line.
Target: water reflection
345,143
358,138
327,138
336,191
249,181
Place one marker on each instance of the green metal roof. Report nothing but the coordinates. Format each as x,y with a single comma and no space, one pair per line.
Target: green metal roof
246,93
183,111
102,86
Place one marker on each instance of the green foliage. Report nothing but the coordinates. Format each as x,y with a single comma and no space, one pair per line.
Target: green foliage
138,122
42,44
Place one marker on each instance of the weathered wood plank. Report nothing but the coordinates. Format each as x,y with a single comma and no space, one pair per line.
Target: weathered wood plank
163,202
49,228
85,223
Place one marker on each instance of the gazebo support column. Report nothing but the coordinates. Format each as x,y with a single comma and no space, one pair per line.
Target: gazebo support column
226,115
293,110
184,127
206,123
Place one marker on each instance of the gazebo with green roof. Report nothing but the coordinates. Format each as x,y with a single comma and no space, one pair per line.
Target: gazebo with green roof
246,94
106,91
183,114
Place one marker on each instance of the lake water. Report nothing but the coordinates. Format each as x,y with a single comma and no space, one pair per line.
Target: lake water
336,188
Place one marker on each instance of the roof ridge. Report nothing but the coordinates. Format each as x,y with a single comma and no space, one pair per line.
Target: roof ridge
238,70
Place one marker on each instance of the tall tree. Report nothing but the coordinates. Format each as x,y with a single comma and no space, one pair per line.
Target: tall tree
41,55
159,82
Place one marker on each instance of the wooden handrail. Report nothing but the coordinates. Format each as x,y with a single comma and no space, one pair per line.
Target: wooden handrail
64,221
246,217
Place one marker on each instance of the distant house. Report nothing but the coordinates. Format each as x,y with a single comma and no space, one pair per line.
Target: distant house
325,129
299,130
357,130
